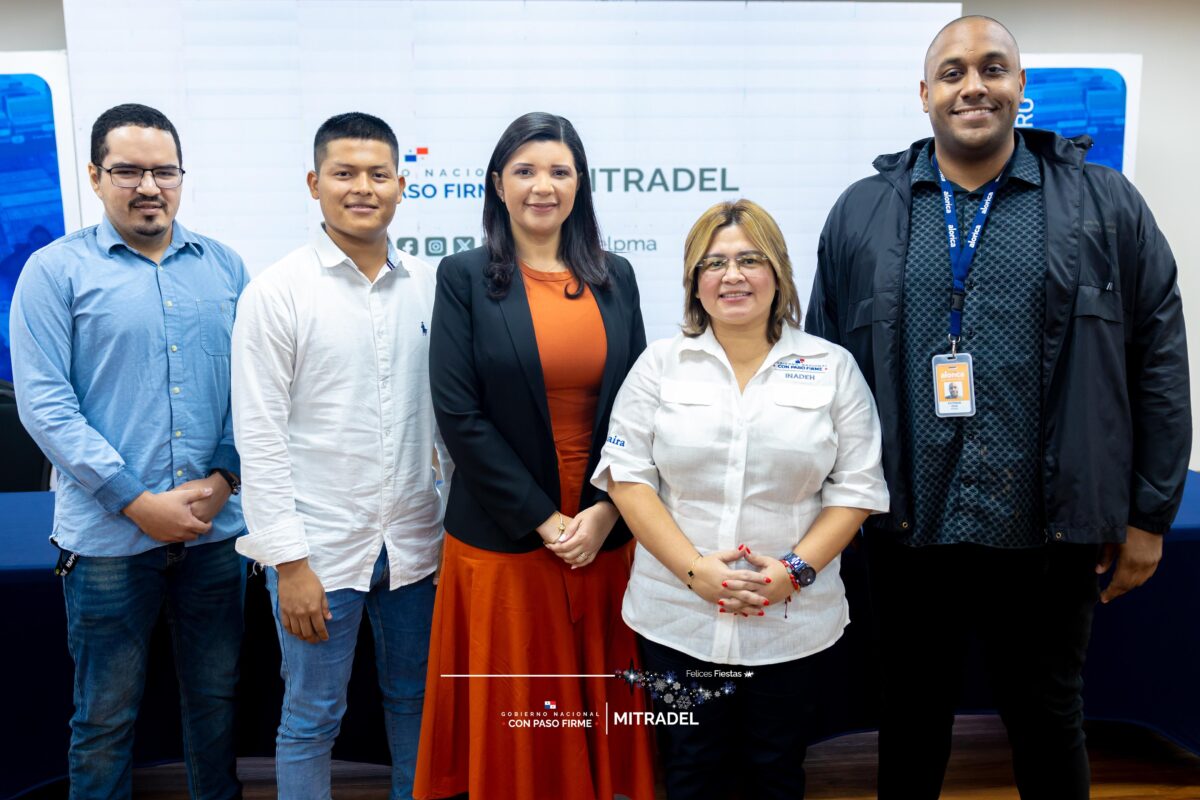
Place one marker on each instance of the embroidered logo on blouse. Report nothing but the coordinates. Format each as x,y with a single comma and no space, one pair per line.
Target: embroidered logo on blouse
797,369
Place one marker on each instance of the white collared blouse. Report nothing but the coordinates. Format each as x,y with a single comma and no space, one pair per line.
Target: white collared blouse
333,417
754,468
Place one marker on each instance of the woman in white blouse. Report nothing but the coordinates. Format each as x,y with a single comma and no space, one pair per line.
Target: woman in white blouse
744,455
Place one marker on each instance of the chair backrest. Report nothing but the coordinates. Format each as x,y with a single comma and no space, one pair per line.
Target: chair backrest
23,468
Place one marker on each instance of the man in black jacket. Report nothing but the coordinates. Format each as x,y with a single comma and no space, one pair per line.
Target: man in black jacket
1040,287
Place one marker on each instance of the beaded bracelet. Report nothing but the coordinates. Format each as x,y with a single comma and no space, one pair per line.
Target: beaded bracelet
791,571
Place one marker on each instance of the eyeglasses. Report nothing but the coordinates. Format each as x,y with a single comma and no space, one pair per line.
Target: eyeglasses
126,177
747,262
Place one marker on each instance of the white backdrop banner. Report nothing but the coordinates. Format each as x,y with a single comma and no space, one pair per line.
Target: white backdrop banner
679,104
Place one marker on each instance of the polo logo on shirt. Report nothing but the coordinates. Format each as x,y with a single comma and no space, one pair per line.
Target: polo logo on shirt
424,330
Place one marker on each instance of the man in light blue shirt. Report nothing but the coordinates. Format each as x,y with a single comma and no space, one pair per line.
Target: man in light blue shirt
120,338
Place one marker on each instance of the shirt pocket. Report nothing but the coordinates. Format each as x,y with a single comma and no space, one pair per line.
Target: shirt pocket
1095,301
216,325
802,413
690,414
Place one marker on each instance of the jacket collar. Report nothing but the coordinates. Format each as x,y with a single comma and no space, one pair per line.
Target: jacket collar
1044,145
1023,167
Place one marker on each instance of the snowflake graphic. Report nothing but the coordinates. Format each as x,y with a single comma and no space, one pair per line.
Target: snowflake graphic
672,692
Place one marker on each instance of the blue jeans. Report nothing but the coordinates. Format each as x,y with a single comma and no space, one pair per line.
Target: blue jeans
316,677
112,605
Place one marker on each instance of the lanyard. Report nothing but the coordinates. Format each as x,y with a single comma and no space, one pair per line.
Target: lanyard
962,249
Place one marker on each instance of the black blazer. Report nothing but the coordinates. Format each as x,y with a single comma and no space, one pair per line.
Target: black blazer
489,398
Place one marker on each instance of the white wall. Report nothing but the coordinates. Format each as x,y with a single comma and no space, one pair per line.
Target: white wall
1165,32
32,25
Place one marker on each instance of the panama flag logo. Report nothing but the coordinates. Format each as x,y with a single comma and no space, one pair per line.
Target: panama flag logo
413,155
550,705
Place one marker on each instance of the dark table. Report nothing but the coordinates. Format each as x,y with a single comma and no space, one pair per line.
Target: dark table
1143,665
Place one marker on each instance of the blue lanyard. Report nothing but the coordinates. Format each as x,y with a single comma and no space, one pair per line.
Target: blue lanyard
962,248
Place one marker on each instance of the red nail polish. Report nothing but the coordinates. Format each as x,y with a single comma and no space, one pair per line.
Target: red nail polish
741,546
720,602
725,584
761,613
722,611
766,602
746,615
768,580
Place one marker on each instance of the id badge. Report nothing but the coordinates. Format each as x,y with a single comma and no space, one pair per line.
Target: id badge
953,385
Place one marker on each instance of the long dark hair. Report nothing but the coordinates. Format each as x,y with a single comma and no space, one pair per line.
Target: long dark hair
579,246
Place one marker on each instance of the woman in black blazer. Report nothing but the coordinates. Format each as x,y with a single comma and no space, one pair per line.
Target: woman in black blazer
532,335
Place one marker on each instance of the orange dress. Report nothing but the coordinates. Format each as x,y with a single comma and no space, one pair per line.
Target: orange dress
515,615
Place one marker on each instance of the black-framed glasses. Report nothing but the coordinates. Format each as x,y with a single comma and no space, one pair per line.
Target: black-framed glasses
128,177
746,262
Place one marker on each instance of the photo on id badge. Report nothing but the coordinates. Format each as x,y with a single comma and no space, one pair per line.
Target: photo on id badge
953,385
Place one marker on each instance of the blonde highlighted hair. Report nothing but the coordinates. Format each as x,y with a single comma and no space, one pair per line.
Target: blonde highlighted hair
762,231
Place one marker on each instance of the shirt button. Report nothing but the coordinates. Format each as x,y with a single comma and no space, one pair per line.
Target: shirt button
904,525
1058,535
174,390
168,304
178,473
178,434
174,348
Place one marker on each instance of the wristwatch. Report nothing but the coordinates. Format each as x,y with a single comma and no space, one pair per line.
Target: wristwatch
802,572
235,485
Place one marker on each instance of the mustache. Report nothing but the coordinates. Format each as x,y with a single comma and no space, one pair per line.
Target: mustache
143,200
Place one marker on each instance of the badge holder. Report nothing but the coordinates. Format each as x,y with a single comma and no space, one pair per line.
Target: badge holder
953,383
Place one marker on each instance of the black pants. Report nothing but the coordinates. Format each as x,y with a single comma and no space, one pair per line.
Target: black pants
748,744
1032,611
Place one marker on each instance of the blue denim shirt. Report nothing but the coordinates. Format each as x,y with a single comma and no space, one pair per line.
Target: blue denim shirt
121,369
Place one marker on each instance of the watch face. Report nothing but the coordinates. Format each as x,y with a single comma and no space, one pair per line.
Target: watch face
806,575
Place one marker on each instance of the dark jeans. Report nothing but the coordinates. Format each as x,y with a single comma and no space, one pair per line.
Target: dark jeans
1032,611
112,606
749,744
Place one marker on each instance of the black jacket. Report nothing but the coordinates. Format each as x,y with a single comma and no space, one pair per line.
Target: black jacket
489,398
1116,425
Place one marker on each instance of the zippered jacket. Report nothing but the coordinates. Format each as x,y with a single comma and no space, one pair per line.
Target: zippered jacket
1115,425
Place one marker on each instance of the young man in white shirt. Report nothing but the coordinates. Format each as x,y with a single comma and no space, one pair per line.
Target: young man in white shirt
335,426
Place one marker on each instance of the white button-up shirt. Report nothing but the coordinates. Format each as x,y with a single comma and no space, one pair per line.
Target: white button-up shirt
754,468
333,417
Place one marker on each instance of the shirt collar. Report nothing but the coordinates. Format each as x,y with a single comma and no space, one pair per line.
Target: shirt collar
1023,167
792,342
108,238
330,255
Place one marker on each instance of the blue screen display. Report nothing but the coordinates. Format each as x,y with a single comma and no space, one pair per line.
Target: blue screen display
31,209
1076,100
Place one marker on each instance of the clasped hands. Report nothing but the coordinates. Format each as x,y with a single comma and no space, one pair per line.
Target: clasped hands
740,591
577,540
181,514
